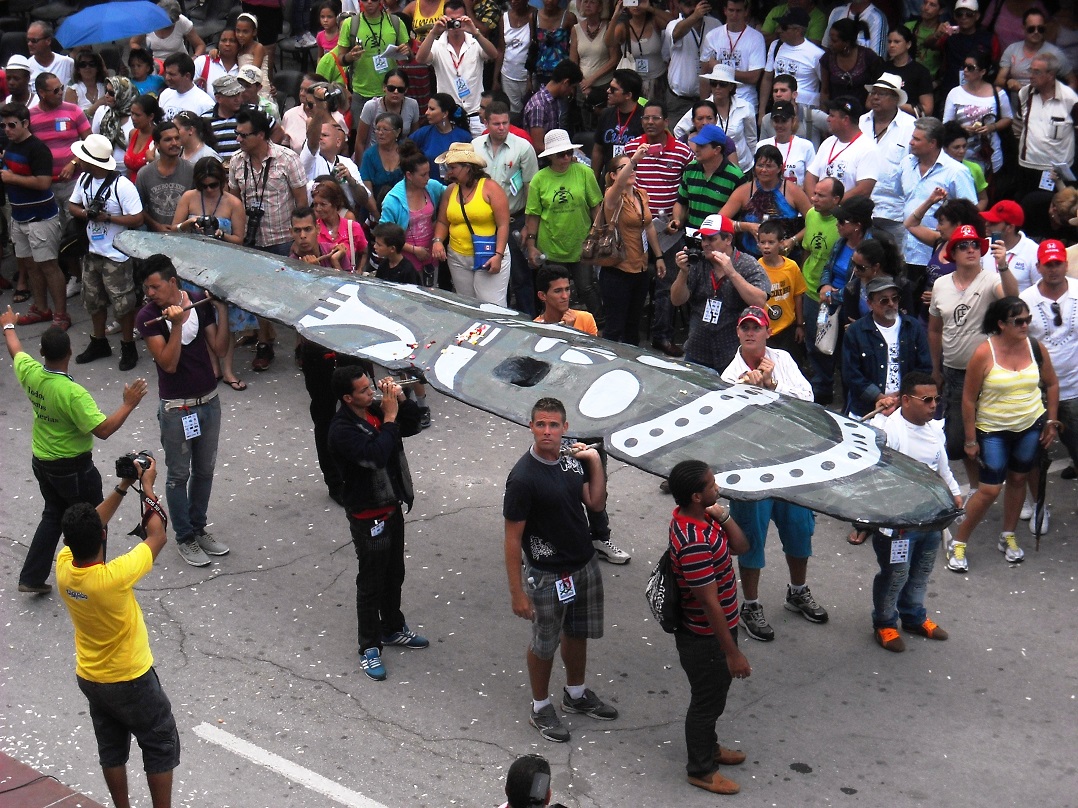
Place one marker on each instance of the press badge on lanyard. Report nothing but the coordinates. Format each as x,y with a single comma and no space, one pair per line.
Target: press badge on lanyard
463,91
191,427
98,231
900,551
377,528
381,64
566,589
711,311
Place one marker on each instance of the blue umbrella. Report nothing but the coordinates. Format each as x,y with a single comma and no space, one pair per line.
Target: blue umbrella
109,21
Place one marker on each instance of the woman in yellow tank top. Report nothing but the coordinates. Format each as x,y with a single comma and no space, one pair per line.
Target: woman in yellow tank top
474,215
1005,421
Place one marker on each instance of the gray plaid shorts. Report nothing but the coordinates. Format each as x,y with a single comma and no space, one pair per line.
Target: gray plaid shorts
583,617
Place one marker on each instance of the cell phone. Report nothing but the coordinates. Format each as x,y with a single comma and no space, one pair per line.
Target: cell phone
655,149
541,781
994,237
630,3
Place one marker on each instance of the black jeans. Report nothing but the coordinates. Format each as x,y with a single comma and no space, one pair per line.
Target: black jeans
521,275
380,577
704,664
624,294
63,483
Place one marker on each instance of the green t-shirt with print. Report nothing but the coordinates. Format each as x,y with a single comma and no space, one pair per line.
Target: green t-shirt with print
563,203
65,415
821,234
375,37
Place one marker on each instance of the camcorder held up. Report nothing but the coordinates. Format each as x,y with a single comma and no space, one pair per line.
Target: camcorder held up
254,220
127,465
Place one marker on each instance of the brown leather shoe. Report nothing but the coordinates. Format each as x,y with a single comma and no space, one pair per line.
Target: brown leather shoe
667,347
728,757
716,784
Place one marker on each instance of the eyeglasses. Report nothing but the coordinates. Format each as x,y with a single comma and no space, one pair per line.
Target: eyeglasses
928,399
1036,29
1018,322
1056,310
890,300
244,135
209,186
394,88
970,67
384,130
968,245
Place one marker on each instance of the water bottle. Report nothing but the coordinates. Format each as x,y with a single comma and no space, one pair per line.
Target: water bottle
821,319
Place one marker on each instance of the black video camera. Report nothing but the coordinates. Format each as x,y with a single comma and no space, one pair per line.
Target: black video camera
127,465
94,208
254,220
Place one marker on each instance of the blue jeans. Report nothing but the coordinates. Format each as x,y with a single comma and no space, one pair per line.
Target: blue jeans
190,465
1006,451
902,585
62,483
704,663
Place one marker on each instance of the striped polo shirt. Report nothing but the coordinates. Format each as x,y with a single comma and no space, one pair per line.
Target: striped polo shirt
703,196
700,555
660,175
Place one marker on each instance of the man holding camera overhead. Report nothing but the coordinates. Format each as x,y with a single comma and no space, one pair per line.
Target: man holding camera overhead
180,331
66,421
114,665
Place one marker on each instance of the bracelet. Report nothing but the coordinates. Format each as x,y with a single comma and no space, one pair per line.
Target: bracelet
120,491
971,443
726,518
1054,422
435,240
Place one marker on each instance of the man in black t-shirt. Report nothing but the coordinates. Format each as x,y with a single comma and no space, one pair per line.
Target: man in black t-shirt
560,589
621,121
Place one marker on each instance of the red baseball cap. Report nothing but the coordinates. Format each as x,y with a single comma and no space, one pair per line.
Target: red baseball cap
715,224
966,232
1051,250
1005,212
756,315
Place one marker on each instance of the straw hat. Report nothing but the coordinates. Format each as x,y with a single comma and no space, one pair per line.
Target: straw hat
460,153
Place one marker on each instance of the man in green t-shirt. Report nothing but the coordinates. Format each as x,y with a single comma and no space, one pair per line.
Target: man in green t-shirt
66,421
370,44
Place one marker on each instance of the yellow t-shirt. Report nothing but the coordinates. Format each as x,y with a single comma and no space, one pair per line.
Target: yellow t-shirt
111,643
787,283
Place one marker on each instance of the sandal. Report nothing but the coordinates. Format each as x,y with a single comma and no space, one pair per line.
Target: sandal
21,295
239,385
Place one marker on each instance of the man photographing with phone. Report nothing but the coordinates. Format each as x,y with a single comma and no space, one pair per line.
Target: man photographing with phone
114,666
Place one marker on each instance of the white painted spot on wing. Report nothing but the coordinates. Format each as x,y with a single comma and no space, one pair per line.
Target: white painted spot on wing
450,362
610,394
544,344
657,362
576,357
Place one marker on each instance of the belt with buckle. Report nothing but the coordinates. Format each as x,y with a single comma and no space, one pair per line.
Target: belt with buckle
184,403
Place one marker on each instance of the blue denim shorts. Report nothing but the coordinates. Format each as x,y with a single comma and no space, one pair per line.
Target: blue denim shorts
1008,451
138,707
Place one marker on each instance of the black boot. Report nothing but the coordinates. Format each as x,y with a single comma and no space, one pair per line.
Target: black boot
128,355
98,348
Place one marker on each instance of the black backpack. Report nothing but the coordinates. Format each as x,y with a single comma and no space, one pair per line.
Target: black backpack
663,595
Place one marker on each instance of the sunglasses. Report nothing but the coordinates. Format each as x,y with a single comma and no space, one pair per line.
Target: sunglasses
970,67
209,186
721,84
968,245
35,40
964,12
842,221
109,91
1018,322
1036,29
244,135
928,399
1057,312
15,125
393,88
890,300
858,267
86,64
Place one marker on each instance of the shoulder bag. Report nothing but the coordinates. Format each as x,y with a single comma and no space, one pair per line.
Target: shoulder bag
483,247
603,245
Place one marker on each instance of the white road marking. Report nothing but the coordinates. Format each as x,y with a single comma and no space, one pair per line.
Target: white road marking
284,767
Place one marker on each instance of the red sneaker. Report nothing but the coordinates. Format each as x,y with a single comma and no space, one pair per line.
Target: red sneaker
34,316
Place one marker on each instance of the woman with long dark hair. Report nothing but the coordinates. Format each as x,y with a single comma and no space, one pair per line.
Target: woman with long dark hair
413,205
197,137
445,126
768,197
846,66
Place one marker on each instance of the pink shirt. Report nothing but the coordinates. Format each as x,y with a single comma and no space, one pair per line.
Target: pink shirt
357,247
59,128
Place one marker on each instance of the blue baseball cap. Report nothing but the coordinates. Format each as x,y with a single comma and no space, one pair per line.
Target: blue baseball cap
710,133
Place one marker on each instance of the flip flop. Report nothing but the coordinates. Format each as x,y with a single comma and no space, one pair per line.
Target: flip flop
239,385
21,295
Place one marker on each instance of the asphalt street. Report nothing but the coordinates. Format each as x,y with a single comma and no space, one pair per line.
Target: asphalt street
258,651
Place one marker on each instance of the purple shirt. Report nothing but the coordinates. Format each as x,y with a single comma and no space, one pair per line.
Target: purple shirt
193,377
542,111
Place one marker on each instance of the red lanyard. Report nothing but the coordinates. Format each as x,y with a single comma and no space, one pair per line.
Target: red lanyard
832,156
786,159
622,127
458,62
734,43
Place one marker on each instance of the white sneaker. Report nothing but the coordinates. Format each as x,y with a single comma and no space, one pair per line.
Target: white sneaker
608,551
1044,521
1008,545
1027,510
114,328
74,287
956,557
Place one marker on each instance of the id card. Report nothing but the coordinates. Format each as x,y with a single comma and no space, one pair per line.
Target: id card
191,427
900,551
516,182
381,64
566,589
641,64
619,149
377,528
711,311
463,90
1047,183
98,231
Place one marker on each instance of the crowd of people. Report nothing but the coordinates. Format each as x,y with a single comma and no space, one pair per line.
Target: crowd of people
871,206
